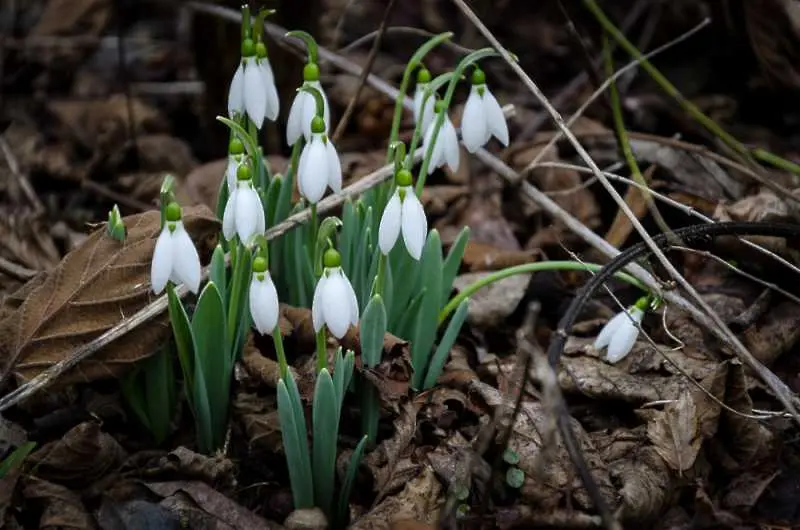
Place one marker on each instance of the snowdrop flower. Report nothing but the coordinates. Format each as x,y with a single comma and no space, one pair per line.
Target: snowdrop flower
482,117
244,213
445,149
235,158
334,304
620,333
174,259
403,213
423,113
263,298
319,165
304,107
252,89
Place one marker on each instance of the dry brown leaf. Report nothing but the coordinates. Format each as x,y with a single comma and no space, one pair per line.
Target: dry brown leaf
60,507
259,417
95,287
775,334
383,461
487,257
675,433
493,304
419,501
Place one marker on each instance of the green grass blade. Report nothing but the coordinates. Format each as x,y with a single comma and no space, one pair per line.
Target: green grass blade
443,350
347,485
292,422
326,433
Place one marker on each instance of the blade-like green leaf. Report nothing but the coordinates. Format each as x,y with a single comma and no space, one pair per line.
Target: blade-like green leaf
159,384
207,442
184,338
219,273
350,226
326,431
295,447
347,485
16,458
424,332
439,358
372,329
241,265
407,320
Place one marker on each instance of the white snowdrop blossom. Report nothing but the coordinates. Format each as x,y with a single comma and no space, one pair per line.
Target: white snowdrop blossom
335,304
620,334
423,113
445,149
403,213
235,158
244,213
482,117
175,258
304,107
319,166
252,90
264,306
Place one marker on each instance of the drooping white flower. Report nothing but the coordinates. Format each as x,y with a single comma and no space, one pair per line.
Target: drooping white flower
252,88
264,306
244,213
445,149
482,117
319,166
620,333
403,213
335,304
423,113
235,158
304,107
175,258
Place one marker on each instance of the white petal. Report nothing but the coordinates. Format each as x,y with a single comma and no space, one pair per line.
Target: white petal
353,300
334,167
317,318
449,140
264,304
495,120
337,304
622,341
313,178
473,122
255,94
271,92
236,92
608,331
419,95
161,266
437,158
229,216
415,225
326,114
309,111
230,172
186,261
389,227
248,208
294,127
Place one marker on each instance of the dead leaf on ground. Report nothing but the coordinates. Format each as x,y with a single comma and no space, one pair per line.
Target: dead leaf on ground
59,506
205,508
493,304
383,460
259,417
134,515
61,18
95,287
25,239
152,465
675,433
776,333
419,501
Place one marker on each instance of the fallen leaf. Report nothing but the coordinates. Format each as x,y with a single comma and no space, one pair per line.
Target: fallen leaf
419,501
96,286
135,515
776,333
675,433
59,507
383,460
493,304
259,417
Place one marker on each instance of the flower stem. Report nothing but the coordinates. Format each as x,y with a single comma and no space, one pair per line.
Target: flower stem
312,241
379,276
277,338
322,351
527,268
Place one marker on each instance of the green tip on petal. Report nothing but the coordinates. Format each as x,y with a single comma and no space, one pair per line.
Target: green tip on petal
331,258
243,172
423,75
261,49
403,178
235,147
642,303
173,212
317,125
311,72
248,48
260,265
478,77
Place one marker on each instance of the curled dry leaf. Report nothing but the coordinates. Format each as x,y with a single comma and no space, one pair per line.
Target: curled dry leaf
59,506
384,461
259,417
676,434
95,287
153,465
84,456
134,515
419,501
776,333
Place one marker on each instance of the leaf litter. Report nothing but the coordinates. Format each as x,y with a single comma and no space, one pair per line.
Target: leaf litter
665,453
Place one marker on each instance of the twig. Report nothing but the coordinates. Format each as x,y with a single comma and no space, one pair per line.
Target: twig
402,29
15,270
24,183
373,54
120,198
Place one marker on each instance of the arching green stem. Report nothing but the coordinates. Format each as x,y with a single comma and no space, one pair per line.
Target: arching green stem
318,100
311,44
258,27
527,268
430,92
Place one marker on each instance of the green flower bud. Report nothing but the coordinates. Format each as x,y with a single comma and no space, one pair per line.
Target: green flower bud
311,72
173,212
478,77
317,125
261,49
243,172
403,178
331,258
248,48
235,147
260,265
423,75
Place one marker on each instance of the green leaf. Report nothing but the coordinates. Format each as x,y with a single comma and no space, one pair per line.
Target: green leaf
372,329
212,359
271,200
349,479
326,433
453,263
439,358
16,458
295,443
510,456
342,373
404,325
515,477
203,416
160,396
350,225
241,265
424,332
298,276
218,272
184,337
